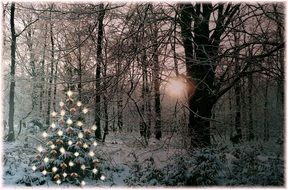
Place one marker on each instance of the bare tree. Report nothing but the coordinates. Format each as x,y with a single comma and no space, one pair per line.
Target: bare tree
98,69
201,42
11,135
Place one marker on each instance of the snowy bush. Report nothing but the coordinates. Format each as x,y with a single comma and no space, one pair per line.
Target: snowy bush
253,168
144,173
201,168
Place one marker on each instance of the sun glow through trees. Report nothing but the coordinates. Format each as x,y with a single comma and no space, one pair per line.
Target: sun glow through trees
176,87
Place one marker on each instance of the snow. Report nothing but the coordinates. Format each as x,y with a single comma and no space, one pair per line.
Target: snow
127,161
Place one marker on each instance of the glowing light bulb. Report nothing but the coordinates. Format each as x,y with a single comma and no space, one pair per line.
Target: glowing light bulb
71,163
44,172
52,146
62,112
44,134
79,103
91,153
85,110
53,114
54,169
58,181
64,174
76,154
80,135
53,125
46,159
85,145
70,143
60,133
102,177
40,148
62,150
94,127
61,104
83,167
94,170
69,93
83,183
95,143
69,121
34,168
79,123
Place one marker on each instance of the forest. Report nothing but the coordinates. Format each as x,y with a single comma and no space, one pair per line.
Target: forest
110,94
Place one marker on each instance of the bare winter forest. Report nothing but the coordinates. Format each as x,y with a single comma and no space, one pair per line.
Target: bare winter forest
143,94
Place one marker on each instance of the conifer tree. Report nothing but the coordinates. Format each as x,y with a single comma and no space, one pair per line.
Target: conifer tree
69,151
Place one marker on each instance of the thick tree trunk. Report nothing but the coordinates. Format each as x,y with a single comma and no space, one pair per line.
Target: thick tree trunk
200,75
98,70
11,135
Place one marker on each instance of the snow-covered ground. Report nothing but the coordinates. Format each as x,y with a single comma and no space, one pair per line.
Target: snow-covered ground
126,161
118,157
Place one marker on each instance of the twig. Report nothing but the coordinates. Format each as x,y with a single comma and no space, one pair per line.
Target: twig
36,139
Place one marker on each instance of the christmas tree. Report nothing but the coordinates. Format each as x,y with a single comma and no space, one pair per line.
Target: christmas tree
69,151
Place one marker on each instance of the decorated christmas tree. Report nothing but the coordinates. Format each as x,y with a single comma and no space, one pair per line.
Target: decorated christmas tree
68,154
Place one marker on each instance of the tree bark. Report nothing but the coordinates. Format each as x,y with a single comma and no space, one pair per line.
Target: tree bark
250,108
200,75
105,99
11,135
33,69
266,126
98,70
79,71
49,93
156,72
144,128
42,85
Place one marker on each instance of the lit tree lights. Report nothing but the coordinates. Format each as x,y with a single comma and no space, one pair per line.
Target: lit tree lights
69,154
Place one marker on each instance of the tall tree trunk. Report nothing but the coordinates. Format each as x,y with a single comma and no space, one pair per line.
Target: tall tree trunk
33,69
120,111
200,74
98,70
119,98
280,58
148,107
238,127
144,127
238,92
173,47
49,93
55,85
266,126
79,69
156,79
42,91
250,108
11,135
105,99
